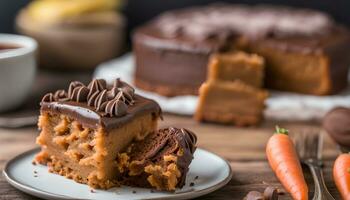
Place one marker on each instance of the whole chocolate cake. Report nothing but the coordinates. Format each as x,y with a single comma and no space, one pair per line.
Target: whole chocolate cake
305,50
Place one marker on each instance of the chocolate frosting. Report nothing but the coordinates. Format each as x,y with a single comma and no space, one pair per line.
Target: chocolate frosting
223,20
167,141
207,29
98,95
99,104
337,124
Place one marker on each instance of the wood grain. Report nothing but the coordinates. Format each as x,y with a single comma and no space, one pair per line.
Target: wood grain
243,147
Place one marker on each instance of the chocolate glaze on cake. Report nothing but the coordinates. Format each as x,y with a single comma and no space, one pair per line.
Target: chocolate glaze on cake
172,142
99,104
177,45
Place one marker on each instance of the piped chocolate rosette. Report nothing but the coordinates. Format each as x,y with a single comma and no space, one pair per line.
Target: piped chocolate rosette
112,101
161,160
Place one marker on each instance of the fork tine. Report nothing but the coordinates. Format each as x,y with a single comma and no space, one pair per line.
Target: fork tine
320,145
308,144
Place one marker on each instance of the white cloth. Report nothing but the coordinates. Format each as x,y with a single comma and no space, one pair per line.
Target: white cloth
280,105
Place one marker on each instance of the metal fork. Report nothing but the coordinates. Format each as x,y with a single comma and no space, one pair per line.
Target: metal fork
309,146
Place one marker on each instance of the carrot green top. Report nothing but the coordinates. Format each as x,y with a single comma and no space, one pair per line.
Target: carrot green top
281,130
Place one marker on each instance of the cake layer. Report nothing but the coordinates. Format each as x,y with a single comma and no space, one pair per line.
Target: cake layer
249,68
161,160
84,154
230,103
179,44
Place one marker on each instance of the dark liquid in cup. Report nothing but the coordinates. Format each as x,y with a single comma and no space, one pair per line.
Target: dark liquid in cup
7,47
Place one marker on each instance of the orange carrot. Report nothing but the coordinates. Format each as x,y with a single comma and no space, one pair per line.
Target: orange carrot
285,163
341,175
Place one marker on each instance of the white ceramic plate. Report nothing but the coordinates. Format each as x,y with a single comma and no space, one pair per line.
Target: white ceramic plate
213,173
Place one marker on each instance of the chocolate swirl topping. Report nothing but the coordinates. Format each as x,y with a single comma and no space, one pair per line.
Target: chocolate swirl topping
108,100
188,136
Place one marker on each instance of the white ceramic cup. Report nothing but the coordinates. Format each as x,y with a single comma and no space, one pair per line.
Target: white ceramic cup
17,70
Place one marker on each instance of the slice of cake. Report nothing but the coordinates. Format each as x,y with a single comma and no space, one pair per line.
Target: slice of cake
83,129
161,160
230,102
248,68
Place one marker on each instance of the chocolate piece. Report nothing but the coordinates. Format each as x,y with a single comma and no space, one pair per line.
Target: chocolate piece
60,95
92,97
116,108
73,85
270,193
112,93
126,97
79,94
48,98
100,100
254,195
337,124
179,43
97,85
161,160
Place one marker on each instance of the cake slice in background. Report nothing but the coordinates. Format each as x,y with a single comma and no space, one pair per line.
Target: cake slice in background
161,160
84,129
233,91
230,102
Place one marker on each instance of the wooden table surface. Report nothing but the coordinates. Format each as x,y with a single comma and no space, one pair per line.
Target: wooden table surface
242,147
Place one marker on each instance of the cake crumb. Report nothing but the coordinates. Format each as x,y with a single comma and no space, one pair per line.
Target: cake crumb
191,184
133,191
33,162
92,191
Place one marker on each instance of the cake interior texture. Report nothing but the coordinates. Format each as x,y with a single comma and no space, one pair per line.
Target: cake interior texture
248,68
297,71
230,103
87,155
161,160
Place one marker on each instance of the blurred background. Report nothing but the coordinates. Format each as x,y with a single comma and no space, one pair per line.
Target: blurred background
138,12
74,39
